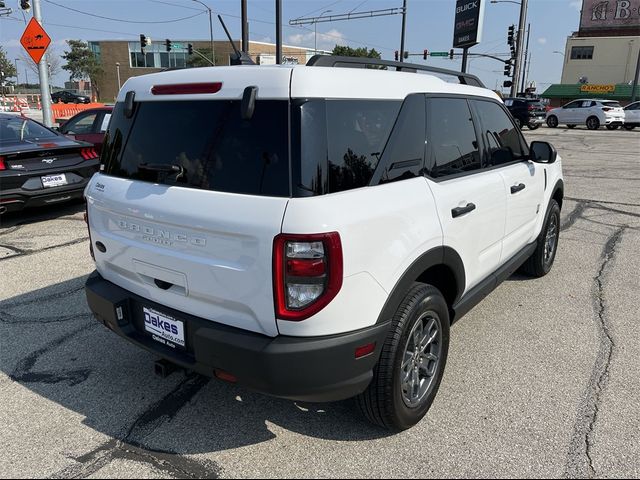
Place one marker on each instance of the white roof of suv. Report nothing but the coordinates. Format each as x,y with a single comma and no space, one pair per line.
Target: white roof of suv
280,82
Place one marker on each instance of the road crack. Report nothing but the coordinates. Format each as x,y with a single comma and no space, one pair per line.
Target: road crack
580,462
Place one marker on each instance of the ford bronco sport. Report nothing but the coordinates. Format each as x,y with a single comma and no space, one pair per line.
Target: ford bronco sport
312,232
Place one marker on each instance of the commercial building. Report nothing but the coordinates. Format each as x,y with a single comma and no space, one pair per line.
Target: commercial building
121,60
600,58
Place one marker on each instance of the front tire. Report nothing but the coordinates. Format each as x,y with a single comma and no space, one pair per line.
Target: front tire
408,374
593,123
552,121
541,261
533,126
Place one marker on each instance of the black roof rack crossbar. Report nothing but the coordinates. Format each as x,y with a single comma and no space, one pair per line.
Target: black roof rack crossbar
363,62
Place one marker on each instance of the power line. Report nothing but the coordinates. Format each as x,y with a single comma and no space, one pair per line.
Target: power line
119,19
176,5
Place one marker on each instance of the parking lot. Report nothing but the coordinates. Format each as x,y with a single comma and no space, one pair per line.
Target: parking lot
541,380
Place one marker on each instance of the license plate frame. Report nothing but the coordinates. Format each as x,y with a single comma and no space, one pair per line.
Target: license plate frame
164,329
56,180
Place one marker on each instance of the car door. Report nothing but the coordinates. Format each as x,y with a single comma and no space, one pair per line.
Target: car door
506,151
470,200
82,126
569,113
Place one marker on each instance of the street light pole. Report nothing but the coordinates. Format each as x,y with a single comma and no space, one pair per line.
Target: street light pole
118,73
17,79
315,32
213,57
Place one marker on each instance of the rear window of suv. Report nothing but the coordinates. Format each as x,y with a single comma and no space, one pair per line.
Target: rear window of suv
208,143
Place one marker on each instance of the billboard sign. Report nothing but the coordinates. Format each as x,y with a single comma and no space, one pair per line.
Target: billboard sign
607,14
467,27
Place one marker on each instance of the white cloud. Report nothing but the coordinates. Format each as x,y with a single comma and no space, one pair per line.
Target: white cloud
577,4
542,40
14,42
326,41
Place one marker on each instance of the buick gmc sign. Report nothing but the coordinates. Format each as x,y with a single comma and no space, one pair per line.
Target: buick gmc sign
467,28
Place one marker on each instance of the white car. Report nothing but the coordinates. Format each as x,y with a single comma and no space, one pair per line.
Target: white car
312,232
590,112
632,116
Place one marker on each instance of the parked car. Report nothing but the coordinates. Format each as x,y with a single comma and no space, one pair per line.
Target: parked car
65,96
632,116
39,166
526,111
88,126
590,112
317,239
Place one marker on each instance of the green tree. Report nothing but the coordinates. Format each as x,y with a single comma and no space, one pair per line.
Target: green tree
345,51
196,60
82,64
7,69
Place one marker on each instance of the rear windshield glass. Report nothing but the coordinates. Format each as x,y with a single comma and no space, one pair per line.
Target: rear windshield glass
19,129
612,104
202,144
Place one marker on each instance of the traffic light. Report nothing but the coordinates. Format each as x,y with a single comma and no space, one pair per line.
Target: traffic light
189,49
396,55
144,41
406,54
511,35
507,84
25,5
451,54
507,68
425,54
167,44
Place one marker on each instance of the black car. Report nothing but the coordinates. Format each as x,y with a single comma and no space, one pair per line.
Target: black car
526,111
39,166
69,97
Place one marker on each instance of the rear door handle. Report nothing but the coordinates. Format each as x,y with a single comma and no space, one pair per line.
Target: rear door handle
457,212
517,188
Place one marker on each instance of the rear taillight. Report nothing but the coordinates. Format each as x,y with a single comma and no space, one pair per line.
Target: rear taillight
606,109
307,273
531,107
88,153
2,165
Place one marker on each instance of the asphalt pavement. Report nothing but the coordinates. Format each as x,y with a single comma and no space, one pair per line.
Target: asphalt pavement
541,380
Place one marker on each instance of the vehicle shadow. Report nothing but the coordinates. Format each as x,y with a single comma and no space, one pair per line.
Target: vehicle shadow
40,214
51,344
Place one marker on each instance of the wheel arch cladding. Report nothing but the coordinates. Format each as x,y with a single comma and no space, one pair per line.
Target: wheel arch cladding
441,267
558,193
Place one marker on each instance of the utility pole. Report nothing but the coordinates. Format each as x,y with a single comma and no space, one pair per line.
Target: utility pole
404,26
245,27
278,32
635,80
524,66
45,97
520,46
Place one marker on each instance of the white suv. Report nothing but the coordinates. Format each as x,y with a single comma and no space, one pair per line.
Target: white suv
590,112
312,232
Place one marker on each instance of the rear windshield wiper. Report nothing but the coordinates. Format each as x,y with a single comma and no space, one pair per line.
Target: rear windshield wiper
163,168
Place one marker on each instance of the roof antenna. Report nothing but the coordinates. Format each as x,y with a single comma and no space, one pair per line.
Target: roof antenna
241,58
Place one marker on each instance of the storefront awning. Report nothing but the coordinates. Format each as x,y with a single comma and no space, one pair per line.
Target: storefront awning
620,91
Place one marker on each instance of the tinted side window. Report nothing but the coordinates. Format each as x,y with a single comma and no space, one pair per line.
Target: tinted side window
503,141
452,137
574,104
403,156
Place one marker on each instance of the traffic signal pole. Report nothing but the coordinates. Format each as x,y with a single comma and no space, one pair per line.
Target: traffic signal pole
520,48
404,26
45,95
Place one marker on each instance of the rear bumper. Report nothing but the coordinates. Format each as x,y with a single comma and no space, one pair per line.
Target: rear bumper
26,195
318,369
613,121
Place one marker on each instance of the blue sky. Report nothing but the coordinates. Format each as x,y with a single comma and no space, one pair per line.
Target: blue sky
429,25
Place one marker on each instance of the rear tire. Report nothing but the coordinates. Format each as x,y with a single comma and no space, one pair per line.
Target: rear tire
541,261
593,123
408,374
518,123
612,127
533,126
552,121
629,127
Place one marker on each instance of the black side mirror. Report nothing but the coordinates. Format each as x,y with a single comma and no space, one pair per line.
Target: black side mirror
543,152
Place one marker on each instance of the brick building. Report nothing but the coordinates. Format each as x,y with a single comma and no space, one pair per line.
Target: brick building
124,59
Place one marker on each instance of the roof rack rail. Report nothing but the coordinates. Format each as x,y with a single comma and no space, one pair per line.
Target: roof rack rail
363,62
